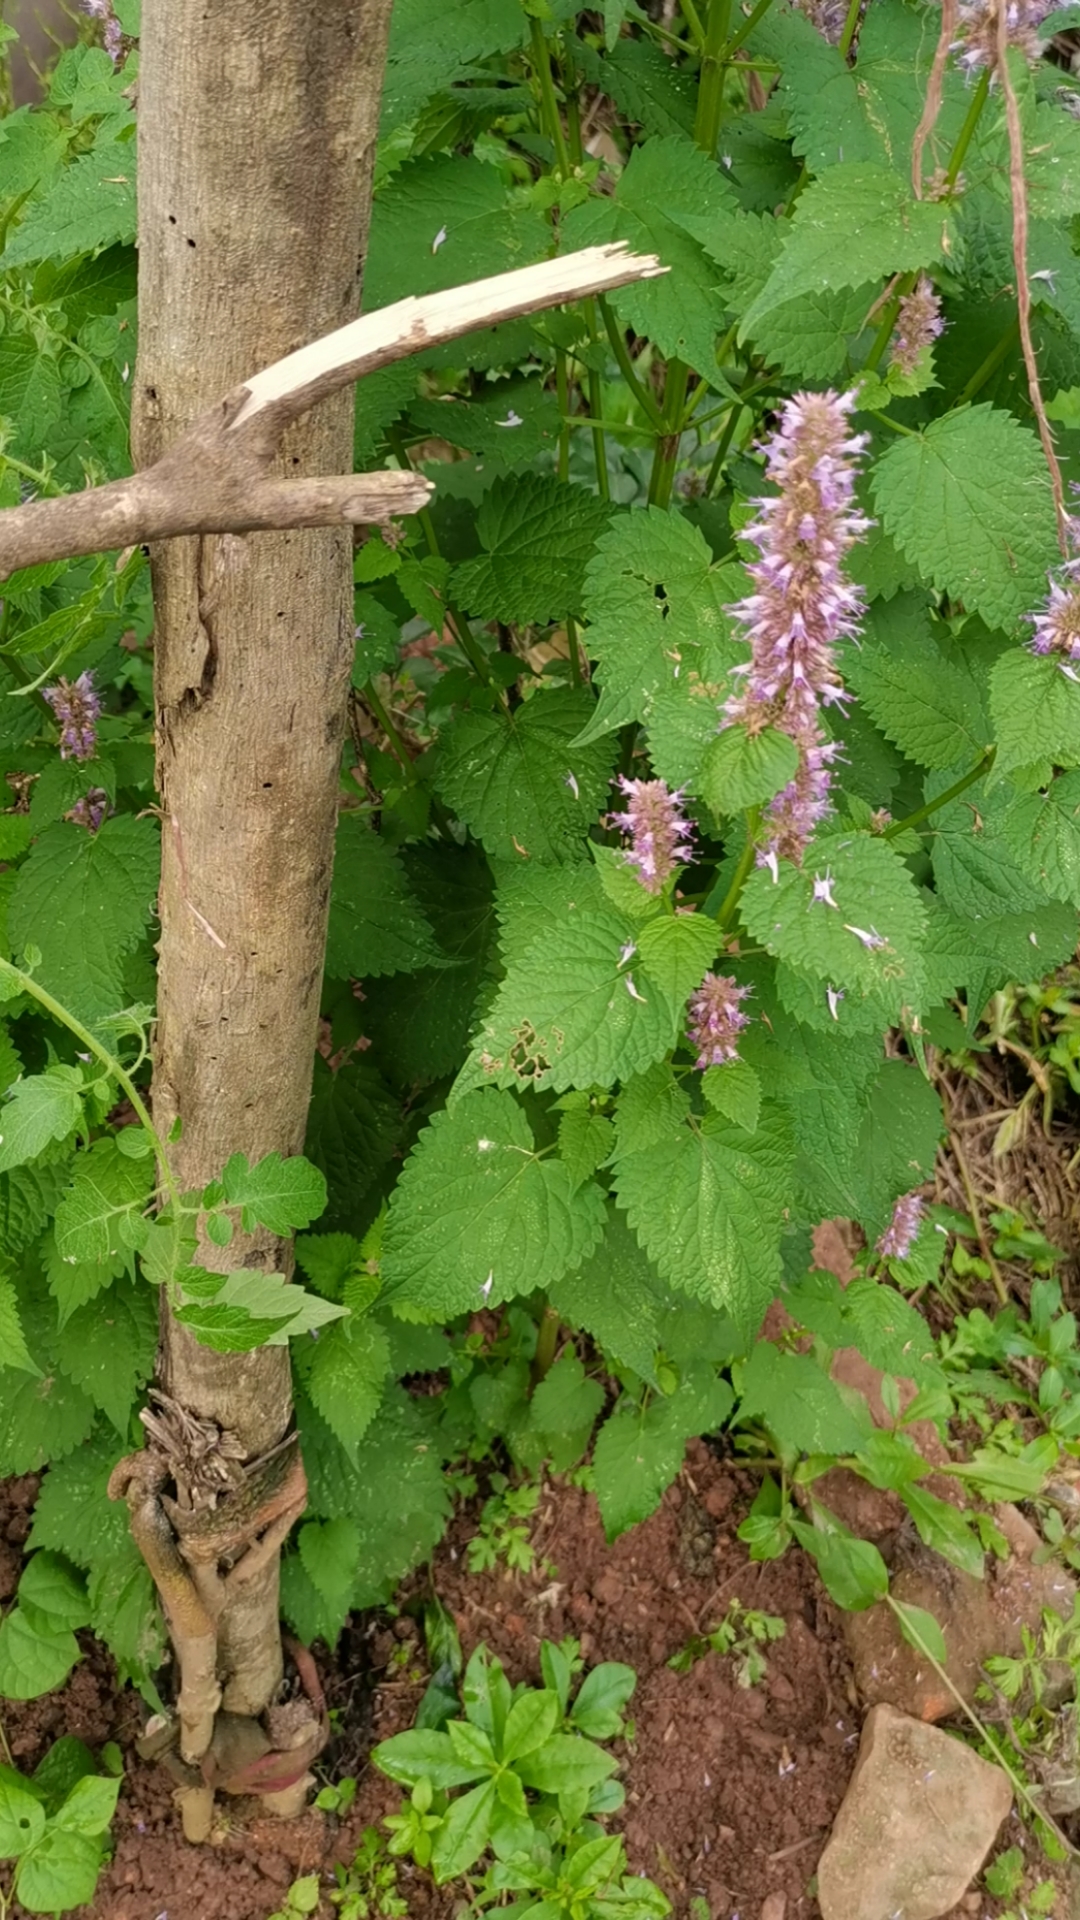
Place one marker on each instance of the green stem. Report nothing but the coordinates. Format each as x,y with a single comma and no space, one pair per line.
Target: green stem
666,457
893,425
747,28
549,106
693,20
456,620
710,100
626,367
27,984
966,134
562,389
951,793
729,904
397,744
888,321
991,364
547,1340
596,391
723,446
850,25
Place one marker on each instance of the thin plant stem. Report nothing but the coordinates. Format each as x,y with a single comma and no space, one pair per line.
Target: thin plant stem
541,65
729,904
596,408
693,20
967,131
710,100
991,363
397,744
850,24
562,389
723,447
626,367
942,800
666,457
547,1341
894,426
743,33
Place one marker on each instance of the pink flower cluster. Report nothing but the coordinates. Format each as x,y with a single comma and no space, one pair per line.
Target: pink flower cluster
102,10
802,605
899,1236
918,325
76,706
1056,629
659,834
716,1019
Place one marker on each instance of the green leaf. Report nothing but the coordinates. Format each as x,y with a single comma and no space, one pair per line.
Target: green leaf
90,205
799,1405
60,1873
394,1491
46,1107
564,1763
664,180
464,202
40,1419
676,951
14,1352
345,1377
585,1140
598,1709
869,943
1035,707
531,1720
422,1755
1043,831
49,1586
330,1551
968,500
637,1454
616,1295
577,1010
89,1807
22,1821
107,1190
923,703
275,1193
108,884
376,926
354,1125
854,226
943,1528
869,1315
522,781
741,769
657,609
975,868
921,1631
107,1349
853,1571
464,1833
74,1514
735,1091
562,1411
707,1204
477,1218
432,47
35,1656
537,535
644,83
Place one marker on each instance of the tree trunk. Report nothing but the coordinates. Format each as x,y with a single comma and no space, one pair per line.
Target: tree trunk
257,126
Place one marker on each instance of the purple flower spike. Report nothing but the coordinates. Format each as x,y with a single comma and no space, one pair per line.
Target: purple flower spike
102,10
716,1019
977,44
898,1238
659,834
802,605
1057,628
918,325
76,706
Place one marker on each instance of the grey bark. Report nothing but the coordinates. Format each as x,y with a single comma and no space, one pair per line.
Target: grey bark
257,124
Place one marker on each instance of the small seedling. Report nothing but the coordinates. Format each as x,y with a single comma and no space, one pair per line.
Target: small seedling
504,1529
368,1889
302,1898
742,1633
337,1798
1005,1879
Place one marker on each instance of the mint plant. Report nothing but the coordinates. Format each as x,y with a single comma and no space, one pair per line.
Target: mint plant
742,1634
712,757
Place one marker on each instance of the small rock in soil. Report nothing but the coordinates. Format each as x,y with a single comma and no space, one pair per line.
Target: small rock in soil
917,1822
775,1907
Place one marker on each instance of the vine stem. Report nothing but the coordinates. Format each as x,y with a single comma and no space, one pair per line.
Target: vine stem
27,984
626,367
942,800
733,895
1019,1786
547,1341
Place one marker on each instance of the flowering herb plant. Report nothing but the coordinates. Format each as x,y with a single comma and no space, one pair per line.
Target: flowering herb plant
714,755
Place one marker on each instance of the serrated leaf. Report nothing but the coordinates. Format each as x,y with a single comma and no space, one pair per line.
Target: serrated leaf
538,535
38,1110
1035,708
376,926
657,610
394,1491
615,1296
579,1010
649,1106
919,699
477,1217
735,1091
354,1125
107,1348
108,884
887,1330
330,1551
638,1453
431,47
968,500
874,894
522,781
741,769
796,1401
276,1193
40,1419
51,1588
14,1352
563,1408
585,1140
329,1259
467,204
1043,831
345,1377
855,225
107,1188
982,955
91,204
645,84
680,311
676,951
707,1204
74,1514
975,868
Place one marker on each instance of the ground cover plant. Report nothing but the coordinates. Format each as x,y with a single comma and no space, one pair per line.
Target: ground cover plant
711,770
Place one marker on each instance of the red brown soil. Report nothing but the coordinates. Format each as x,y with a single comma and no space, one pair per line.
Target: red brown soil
730,1793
